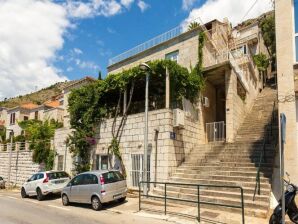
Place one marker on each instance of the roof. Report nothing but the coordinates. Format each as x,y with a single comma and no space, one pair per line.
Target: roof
52,103
76,82
29,106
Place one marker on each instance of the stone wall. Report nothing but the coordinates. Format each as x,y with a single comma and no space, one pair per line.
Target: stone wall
165,152
22,166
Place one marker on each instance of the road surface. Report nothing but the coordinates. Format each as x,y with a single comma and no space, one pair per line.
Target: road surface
15,210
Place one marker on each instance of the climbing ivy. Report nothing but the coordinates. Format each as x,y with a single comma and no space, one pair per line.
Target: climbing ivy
102,99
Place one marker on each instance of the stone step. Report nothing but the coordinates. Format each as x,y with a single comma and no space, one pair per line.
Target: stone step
235,172
217,177
191,169
227,164
219,199
248,192
218,182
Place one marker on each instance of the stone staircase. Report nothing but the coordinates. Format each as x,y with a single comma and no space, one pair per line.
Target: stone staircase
234,164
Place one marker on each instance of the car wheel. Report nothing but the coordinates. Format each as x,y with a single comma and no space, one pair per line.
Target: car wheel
39,194
121,200
95,203
23,193
65,200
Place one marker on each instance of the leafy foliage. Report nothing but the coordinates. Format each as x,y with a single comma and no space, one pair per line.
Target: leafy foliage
261,61
40,134
91,104
193,25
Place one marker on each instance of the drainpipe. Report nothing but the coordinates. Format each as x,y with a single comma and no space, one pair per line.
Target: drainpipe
156,140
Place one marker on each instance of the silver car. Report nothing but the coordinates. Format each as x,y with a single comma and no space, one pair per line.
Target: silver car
95,188
2,183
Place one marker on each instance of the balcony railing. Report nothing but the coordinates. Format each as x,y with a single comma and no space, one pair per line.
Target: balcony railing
148,44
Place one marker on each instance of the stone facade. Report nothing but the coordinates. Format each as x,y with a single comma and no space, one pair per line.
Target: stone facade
22,166
165,152
284,19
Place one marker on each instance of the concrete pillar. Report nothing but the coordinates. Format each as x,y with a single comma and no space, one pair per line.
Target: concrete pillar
229,105
167,89
285,80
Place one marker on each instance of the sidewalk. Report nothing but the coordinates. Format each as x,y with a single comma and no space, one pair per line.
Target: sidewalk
131,206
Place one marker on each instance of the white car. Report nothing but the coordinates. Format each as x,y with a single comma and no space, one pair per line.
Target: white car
44,183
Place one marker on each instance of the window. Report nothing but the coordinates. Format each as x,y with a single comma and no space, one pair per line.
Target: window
39,176
137,168
173,56
34,177
112,177
296,28
102,162
60,162
78,180
57,175
239,52
13,118
26,118
90,179
36,115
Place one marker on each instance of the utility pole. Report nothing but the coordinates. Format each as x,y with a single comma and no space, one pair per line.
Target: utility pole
147,69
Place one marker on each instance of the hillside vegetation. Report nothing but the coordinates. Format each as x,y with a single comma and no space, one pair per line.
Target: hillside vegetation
37,97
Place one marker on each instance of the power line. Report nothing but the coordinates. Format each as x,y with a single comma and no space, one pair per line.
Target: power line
249,10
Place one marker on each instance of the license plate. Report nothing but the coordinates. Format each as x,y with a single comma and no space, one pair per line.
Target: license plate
117,196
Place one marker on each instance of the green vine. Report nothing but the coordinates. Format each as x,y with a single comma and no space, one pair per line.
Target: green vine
93,103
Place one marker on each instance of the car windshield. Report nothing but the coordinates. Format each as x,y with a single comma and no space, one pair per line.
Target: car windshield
112,176
57,175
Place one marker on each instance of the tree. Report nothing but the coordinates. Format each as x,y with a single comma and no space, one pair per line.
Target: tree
99,75
267,25
40,134
262,63
193,25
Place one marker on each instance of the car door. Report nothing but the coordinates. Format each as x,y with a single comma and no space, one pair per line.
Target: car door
89,186
35,183
75,185
29,184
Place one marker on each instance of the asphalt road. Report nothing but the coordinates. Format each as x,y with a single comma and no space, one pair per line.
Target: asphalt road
15,210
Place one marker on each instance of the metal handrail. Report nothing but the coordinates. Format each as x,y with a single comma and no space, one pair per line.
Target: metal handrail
198,201
263,152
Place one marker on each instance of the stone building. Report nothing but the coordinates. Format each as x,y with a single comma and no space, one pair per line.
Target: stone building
232,85
286,19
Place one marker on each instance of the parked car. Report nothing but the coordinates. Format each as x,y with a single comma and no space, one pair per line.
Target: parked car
2,183
44,183
95,188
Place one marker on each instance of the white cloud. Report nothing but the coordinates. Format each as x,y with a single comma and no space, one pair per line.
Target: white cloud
187,4
86,9
127,3
77,51
143,5
86,64
234,10
31,34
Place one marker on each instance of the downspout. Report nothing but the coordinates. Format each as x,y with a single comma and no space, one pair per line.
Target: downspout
156,141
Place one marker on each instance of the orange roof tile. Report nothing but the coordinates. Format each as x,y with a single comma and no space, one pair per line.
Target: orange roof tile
29,106
52,103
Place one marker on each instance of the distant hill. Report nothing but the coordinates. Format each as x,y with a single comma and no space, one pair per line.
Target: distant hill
36,97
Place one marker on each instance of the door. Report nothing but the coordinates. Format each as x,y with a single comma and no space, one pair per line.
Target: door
137,169
88,187
75,184
30,184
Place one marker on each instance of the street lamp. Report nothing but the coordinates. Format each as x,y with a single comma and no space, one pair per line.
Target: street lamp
146,68
10,154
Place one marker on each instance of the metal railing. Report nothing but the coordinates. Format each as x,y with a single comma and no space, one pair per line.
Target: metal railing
215,131
148,44
198,200
268,134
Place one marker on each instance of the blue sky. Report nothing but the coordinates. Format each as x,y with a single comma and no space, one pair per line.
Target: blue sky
47,41
100,38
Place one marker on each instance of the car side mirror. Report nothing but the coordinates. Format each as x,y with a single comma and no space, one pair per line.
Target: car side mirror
28,180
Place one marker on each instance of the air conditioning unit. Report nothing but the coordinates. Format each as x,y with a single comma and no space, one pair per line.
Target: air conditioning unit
205,102
178,118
